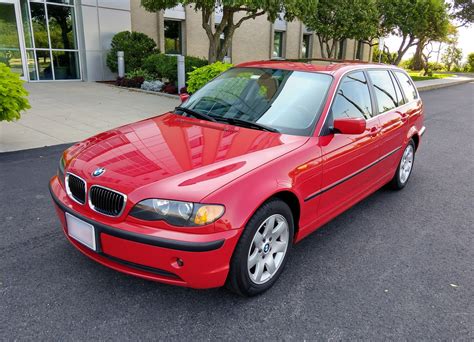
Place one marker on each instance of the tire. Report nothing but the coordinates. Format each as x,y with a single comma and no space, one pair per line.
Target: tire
243,277
401,177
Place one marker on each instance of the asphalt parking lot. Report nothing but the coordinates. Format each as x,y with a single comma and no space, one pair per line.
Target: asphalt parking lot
398,266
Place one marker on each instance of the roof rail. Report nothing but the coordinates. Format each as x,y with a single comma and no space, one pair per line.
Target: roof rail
330,60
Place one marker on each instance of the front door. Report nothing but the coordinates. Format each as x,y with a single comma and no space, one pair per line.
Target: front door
349,160
11,37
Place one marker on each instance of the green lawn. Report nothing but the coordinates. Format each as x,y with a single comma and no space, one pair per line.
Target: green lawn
415,75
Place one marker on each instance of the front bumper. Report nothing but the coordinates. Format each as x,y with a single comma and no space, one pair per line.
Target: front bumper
205,257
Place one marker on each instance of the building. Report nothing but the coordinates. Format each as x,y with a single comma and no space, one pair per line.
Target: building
46,40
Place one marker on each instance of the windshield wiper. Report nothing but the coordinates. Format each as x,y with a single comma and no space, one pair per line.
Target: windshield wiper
249,124
196,114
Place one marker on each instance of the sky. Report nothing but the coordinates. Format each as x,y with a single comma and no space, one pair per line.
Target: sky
465,42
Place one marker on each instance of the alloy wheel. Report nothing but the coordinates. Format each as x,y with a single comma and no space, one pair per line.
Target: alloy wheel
406,163
268,249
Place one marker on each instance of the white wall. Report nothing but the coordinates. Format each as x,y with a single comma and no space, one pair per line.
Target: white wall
98,22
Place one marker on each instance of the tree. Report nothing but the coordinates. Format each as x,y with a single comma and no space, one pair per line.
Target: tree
417,21
234,14
452,56
470,62
13,97
419,60
336,20
462,11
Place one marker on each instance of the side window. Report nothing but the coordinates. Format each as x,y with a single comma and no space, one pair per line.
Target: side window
407,86
353,98
397,90
384,90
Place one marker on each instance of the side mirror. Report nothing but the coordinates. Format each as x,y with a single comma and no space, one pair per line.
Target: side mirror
184,97
349,125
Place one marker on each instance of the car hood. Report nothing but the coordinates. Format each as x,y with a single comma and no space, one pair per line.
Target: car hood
175,157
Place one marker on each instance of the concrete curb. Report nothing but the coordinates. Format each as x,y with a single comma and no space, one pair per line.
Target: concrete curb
441,85
137,90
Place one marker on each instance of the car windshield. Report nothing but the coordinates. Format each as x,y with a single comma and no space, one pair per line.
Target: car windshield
279,100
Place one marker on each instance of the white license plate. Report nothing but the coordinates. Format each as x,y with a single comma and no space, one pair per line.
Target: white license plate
81,231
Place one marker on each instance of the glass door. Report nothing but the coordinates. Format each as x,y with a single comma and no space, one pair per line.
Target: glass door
11,42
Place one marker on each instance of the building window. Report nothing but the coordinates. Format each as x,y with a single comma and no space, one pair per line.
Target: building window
173,39
278,37
306,46
54,44
360,50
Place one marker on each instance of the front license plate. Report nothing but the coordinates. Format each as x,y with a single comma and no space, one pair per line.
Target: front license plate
81,231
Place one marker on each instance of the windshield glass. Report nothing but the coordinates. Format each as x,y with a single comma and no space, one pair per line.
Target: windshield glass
285,100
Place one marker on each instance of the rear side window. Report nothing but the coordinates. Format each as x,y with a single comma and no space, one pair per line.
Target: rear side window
384,90
397,90
407,86
353,98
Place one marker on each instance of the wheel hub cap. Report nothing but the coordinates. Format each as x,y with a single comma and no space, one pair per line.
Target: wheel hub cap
266,248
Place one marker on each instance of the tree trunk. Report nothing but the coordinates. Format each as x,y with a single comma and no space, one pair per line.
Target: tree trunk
418,63
403,49
322,46
212,54
227,26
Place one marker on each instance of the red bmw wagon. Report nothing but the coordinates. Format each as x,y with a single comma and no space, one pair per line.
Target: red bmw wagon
217,191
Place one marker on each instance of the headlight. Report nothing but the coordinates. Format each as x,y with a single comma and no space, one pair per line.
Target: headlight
61,167
177,213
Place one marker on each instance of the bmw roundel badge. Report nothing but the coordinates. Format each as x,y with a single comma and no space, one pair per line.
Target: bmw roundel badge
98,172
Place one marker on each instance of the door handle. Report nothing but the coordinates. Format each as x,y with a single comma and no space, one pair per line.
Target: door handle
404,116
374,131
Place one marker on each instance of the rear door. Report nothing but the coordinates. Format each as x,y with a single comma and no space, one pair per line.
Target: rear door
349,161
392,117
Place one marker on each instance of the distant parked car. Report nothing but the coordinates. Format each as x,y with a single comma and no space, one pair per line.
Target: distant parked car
218,191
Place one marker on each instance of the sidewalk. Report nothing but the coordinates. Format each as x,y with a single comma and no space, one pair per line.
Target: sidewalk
66,112
442,82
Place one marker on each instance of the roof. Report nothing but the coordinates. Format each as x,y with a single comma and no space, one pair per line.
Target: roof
300,66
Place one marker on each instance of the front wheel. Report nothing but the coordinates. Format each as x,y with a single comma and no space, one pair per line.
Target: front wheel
262,250
405,167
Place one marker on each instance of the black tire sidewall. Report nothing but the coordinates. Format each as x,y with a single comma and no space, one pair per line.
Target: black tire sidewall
239,273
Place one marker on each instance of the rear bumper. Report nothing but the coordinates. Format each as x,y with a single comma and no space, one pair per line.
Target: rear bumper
205,258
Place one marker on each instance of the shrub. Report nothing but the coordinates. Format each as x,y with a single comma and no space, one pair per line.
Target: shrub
161,66
139,73
385,56
436,66
164,66
135,82
200,76
12,95
470,62
170,88
152,85
136,47
405,64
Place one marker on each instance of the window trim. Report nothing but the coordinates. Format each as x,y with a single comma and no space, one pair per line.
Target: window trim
394,79
377,112
401,88
325,128
365,70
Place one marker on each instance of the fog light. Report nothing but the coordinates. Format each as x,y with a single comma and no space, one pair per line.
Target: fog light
180,262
